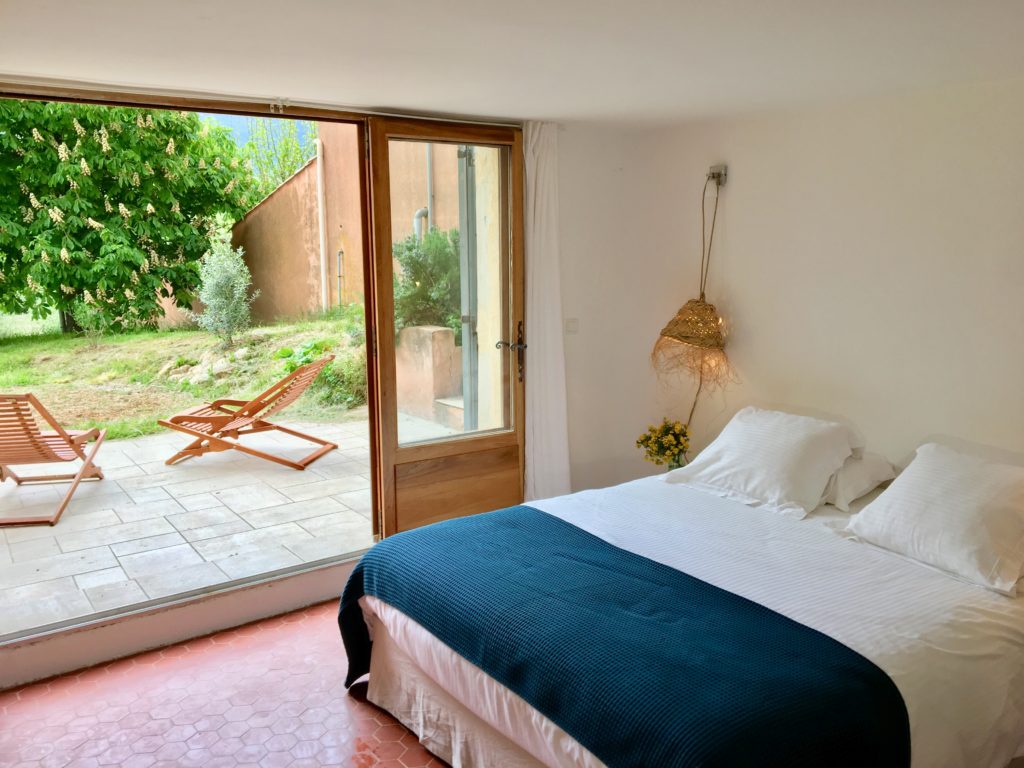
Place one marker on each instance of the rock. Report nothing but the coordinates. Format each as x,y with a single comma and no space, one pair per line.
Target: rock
167,368
241,353
221,368
200,377
181,370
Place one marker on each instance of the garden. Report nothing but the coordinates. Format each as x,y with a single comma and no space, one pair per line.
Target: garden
110,217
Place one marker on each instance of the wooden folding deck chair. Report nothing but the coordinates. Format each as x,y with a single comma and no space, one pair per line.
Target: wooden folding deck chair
22,442
220,425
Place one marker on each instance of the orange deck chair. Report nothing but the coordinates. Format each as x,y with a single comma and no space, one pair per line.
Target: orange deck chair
220,425
22,442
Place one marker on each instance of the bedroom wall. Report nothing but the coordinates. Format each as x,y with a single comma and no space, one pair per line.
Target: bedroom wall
869,258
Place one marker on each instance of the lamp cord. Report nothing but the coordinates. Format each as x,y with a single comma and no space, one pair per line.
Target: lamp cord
705,241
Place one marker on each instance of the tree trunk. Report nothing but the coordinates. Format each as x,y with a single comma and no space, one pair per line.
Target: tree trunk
67,323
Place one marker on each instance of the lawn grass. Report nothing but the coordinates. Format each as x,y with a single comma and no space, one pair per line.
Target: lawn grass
114,381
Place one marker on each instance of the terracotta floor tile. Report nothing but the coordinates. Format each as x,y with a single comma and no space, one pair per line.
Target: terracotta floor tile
268,694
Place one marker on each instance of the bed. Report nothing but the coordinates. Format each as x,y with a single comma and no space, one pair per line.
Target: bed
953,651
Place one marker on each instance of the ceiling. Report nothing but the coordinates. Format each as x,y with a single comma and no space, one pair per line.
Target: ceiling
643,61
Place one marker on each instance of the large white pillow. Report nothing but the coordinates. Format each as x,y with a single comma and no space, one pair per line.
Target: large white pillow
956,512
771,459
858,475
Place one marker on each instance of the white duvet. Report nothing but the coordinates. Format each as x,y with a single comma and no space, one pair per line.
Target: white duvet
954,650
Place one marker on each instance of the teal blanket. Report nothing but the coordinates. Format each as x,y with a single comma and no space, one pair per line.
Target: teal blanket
642,664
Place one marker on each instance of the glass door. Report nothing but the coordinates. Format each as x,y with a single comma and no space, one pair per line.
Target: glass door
449,292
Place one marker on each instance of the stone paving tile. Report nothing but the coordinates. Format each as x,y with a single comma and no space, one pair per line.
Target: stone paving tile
174,582
146,495
145,545
199,501
116,594
213,531
86,581
130,513
256,560
47,568
72,521
285,513
323,488
201,518
222,546
360,501
251,496
33,549
178,559
113,534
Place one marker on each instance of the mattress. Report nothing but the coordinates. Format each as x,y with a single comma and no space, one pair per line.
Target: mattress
954,650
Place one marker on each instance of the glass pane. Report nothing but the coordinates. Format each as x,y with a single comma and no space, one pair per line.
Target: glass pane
451,289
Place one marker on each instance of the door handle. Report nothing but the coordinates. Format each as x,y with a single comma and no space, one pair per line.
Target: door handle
518,346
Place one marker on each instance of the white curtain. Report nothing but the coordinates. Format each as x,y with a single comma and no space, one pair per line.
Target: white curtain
547,430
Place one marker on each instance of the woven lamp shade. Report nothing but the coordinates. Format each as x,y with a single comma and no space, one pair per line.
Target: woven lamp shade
693,341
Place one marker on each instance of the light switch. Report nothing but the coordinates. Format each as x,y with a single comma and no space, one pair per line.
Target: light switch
572,325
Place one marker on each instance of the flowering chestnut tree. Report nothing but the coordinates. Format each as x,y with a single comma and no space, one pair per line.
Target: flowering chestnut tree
112,207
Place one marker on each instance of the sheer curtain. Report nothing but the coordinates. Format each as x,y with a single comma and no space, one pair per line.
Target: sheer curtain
547,430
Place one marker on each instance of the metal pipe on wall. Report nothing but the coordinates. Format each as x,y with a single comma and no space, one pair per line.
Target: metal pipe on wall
325,301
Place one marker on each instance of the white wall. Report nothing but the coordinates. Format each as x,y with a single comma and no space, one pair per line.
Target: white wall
869,258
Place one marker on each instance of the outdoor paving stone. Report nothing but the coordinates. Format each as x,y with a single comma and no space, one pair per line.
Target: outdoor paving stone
130,513
144,495
5,553
32,592
199,501
72,521
222,546
34,549
326,488
213,531
250,497
98,578
343,468
105,597
175,582
257,560
213,482
321,548
168,476
113,534
178,558
360,501
47,568
298,510
146,544
123,473
45,610
184,521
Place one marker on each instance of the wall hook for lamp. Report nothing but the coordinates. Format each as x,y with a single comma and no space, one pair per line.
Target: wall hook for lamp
719,174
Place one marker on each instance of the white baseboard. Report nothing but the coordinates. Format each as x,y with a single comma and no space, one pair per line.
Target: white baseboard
36,658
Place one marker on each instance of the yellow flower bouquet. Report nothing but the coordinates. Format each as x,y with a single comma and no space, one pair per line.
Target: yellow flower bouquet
665,444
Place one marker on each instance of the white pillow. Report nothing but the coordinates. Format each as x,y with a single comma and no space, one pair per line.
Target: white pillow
857,476
956,512
772,459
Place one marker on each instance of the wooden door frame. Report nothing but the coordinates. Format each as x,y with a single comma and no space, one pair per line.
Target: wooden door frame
410,127
380,131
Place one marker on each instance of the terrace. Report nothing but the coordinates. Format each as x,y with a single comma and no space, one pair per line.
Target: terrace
149,532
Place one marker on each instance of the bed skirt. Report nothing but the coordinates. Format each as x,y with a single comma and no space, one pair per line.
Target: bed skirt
457,711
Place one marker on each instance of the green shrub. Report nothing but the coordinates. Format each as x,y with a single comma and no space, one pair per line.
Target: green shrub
344,381
428,288
224,290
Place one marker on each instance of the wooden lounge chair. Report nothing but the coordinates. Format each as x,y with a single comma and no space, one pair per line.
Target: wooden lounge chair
220,425
22,442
